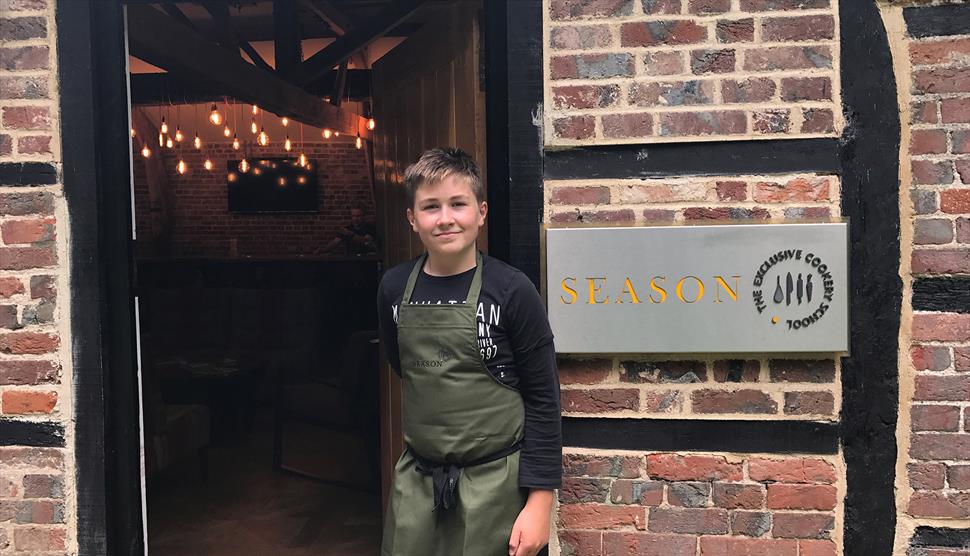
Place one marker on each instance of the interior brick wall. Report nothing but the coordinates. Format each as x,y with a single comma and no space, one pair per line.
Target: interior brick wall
203,225
642,71
34,509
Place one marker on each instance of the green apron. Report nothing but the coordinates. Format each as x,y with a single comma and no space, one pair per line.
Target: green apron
455,490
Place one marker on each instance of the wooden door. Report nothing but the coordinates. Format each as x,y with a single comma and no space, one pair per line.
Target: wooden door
427,94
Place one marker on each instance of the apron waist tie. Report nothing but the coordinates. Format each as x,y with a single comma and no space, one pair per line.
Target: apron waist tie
444,476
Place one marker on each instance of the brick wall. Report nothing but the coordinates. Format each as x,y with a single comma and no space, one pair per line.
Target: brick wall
203,225
937,372
642,71
34,511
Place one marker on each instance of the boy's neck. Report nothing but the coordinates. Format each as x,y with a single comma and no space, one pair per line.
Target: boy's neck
438,265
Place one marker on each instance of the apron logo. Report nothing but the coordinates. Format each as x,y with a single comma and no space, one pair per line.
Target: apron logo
443,357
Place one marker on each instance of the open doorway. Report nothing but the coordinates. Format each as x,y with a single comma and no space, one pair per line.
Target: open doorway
270,420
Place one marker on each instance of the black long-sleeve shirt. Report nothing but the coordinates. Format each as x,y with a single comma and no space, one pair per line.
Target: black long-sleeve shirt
516,345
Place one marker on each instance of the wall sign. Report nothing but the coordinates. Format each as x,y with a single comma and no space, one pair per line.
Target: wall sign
694,289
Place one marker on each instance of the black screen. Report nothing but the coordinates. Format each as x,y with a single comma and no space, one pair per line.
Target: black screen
272,185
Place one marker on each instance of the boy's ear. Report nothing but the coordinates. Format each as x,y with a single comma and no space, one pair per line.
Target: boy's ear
410,214
483,210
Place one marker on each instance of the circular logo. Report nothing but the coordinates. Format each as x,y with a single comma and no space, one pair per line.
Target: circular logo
793,288
444,355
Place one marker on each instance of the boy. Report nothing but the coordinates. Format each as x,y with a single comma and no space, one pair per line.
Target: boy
469,336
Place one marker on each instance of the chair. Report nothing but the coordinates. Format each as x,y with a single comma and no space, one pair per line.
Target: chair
338,404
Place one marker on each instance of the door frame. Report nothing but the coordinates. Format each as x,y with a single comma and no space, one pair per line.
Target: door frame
97,173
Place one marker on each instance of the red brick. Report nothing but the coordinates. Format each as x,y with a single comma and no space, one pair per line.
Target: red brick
788,58
732,401
750,524
584,371
708,7
940,261
961,359
732,191
797,190
791,470
26,401
942,327
954,505
941,81
10,286
575,127
34,144
42,287
737,370
6,145
735,30
963,230
689,494
662,63
23,5
942,388
807,213
660,7
924,112
575,489
795,89
48,458
22,28
928,141
955,201
19,371
816,548
931,172
600,516
627,125
963,168
658,215
676,467
27,231
22,258
566,195
799,28
956,110
727,546
40,539
809,403
932,231
22,204
961,141
926,476
578,465
772,5
591,66
43,486
585,96
580,543
801,497
600,400
664,372
816,371
617,543
662,401
938,51
712,61
772,120
574,9
802,526
644,493
710,521
8,317
727,122
24,58
674,93
958,476
733,496
574,37
755,89
615,215
817,120
657,33
726,213
23,87
26,117
928,446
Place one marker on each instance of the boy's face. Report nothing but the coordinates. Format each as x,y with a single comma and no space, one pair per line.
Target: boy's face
447,216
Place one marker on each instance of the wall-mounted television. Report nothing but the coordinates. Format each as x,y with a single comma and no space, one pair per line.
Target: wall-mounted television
272,185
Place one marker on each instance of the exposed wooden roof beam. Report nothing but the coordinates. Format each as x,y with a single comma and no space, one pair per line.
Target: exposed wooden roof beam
337,96
160,88
344,47
286,37
223,23
161,41
339,22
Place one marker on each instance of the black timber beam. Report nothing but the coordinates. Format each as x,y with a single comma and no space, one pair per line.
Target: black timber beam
219,11
286,37
161,41
162,88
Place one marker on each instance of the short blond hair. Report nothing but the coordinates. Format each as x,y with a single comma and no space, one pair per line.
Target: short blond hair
439,163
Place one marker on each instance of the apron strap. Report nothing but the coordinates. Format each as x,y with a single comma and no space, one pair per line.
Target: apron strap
473,290
444,476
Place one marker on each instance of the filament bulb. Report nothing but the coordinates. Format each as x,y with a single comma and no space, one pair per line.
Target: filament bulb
197,142
255,110
182,167
235,143
145,151
253,128
327,133
244,166
132,132
214,116
358,143
302,159
169,143
285,121
282,180
263,139
207,164
178,134
336,134
161,139
371,124
286,144
226,131
164,127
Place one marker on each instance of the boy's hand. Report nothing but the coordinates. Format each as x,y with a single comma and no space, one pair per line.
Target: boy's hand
531,530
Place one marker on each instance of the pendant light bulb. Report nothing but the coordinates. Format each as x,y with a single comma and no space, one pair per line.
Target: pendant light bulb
132,132
358,143
371,124
302,160
235,143
282,181
197,143
214,116
327,133
207,164
169,143
244,166
226,132
287,145
285,121
263,138
178,134
161,139
255,110
182,167
145,151
253,128
164,128
336,134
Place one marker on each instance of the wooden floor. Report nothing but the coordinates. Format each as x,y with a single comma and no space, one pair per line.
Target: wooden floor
244,508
